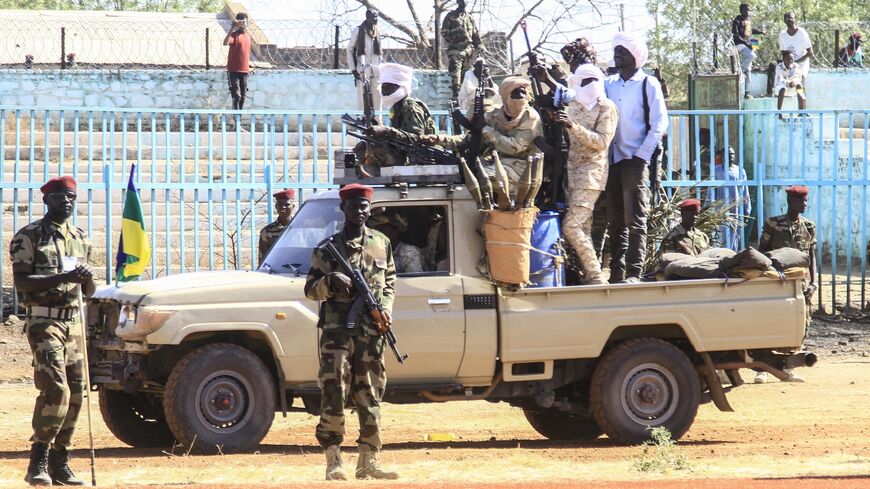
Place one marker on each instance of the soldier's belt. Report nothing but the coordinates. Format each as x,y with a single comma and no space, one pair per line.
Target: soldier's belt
62,313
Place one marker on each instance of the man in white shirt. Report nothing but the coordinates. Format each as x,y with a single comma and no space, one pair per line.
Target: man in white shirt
796,40
364,57
643,120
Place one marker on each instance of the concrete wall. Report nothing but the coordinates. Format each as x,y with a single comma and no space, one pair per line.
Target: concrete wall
197,89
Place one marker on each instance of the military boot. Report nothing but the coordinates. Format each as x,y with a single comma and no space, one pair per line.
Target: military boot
58,468
37,474
334,469
369,465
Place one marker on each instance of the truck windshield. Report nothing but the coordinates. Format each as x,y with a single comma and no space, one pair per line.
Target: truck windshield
315,221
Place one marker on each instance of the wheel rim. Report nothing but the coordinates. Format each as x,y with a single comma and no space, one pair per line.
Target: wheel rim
650,394
225,402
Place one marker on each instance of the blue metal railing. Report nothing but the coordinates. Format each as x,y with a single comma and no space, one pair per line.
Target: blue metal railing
206,176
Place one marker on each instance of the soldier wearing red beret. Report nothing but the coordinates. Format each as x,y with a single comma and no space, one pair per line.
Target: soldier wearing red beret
792,230
685,238
285,205
352,349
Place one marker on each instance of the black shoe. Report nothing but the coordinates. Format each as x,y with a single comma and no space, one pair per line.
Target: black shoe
36,471
58,468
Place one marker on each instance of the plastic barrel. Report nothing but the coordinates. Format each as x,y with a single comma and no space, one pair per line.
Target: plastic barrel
544,270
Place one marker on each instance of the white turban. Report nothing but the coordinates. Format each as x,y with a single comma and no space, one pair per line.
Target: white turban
397,74
635,46
589,95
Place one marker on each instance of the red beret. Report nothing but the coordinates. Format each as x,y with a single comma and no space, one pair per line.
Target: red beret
59,184
287,193
355,190
690,204
797,191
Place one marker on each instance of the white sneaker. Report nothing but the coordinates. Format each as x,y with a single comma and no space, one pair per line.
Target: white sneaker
761,377
792,377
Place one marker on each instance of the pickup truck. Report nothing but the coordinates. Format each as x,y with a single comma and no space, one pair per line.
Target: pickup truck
207,359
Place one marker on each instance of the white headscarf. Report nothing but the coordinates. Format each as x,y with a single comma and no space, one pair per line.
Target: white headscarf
589,95
634,44
397,74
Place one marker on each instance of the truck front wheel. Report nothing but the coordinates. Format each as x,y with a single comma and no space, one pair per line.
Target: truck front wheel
135,419
556,425
644,383
220,398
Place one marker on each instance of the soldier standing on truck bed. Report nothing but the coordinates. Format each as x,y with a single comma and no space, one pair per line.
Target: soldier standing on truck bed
792,230
50,262
352,360
284,207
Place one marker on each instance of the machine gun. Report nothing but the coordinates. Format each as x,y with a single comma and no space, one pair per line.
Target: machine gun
365,299
417,154
556,151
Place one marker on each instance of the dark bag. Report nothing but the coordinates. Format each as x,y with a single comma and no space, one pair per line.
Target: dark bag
748,259
693,267
785,258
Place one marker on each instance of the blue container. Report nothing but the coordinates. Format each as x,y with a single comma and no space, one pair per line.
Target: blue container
543,270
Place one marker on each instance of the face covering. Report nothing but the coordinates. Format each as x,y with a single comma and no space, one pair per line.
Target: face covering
389,101
587,96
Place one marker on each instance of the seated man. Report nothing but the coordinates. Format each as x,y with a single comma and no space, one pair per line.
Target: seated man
789,81
684,238
408,258
409,119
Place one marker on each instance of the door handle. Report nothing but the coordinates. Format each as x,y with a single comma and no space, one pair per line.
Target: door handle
439,301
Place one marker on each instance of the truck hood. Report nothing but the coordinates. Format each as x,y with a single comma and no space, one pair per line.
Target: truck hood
207,288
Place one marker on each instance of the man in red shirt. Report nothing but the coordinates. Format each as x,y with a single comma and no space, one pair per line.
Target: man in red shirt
239,59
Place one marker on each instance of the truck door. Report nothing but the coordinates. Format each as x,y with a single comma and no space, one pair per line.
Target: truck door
428,314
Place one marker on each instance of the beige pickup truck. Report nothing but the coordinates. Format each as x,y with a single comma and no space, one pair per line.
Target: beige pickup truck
207,359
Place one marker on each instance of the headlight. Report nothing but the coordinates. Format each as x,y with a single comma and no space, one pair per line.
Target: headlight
136,322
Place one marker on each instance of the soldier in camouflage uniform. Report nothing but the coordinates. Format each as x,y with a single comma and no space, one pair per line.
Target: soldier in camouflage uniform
462,39
684,238
792,230
284,207
409,119
590,123
50,260
352,360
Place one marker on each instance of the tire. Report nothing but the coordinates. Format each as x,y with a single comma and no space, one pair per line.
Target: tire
556,425
220,373
644,383
135,419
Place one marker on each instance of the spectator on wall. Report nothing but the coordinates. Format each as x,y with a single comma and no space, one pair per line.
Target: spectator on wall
851,55
238,59
796,40
789,81
742,31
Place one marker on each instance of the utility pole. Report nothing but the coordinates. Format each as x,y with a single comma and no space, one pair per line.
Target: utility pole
622,17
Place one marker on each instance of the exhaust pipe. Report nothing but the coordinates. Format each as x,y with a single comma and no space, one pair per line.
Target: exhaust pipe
801,359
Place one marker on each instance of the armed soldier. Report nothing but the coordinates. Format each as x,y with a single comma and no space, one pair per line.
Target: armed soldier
792,230
50,262
409,119
685,237
364,58
460,34
590,123
284,207
473,78
352,358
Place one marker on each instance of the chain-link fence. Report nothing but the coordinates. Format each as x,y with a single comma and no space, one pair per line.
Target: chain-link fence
137,40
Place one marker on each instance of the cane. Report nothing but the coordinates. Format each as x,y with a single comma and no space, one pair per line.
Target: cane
87,382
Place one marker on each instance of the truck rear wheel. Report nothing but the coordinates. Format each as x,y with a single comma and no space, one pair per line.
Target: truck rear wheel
220,398
135,419
556,425
644,383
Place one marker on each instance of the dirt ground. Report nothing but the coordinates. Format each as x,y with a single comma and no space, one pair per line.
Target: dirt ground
782,435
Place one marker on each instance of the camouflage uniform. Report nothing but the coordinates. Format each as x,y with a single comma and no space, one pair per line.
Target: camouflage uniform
409,119
409,259
268,236
782,232
679,240
590,136
351,360
38,249
460,35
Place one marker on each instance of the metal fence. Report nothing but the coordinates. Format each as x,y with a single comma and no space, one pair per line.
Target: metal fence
206,176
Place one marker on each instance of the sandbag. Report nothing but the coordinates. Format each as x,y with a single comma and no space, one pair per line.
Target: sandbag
658,271
785,258
718,253
507,236
748,259
693,267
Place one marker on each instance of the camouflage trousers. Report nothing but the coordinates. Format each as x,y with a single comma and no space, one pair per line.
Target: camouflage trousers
577,228
58,372
351,367
458,62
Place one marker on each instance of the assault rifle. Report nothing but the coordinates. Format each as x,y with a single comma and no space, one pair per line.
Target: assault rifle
556,152
474,126
418,154
365,299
